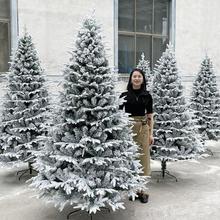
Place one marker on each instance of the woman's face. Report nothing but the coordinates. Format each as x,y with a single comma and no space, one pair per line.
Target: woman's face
136,79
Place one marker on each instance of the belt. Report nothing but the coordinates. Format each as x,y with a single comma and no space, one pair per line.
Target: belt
141,119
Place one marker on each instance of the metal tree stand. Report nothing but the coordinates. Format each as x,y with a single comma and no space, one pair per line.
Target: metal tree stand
209,152
30,170
164,170
77,210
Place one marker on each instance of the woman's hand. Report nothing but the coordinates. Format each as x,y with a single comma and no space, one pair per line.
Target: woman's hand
151,139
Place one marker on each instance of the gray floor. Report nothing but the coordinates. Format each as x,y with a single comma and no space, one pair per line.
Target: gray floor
196,195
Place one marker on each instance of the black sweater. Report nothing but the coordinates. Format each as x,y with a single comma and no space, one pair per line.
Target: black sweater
137,102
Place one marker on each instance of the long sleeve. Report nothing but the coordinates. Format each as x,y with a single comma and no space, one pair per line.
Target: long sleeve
149,106
150,119
123,104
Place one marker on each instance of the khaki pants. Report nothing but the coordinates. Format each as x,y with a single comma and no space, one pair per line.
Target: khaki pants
141,130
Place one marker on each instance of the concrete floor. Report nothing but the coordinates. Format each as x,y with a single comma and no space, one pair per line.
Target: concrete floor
196,196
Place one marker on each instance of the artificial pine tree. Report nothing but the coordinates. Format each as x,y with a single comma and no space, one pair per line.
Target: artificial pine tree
90,157
175,137
25,106
205,102
144,65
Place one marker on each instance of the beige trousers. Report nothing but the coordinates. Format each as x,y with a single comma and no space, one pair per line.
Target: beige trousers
141,130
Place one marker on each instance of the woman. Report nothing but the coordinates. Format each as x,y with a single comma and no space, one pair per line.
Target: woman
138,102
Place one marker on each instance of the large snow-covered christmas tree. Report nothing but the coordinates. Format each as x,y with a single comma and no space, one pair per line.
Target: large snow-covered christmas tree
144,65
175,136
24,107
90,157
205,102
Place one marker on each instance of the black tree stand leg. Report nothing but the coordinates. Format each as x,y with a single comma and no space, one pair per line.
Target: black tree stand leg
77,210
68,216
210,152
30,170
164,171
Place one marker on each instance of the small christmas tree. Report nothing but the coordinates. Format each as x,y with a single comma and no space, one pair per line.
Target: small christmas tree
175,136
25,106
90,157
205,102
144,65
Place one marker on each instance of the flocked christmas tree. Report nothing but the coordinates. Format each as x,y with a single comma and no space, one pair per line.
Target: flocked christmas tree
90,157
205,102
144,65
175,136
24,107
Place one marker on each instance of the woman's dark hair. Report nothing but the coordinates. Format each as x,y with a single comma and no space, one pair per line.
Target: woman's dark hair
143,85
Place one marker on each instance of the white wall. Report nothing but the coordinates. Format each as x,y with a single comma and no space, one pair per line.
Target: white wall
197,33
54,25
